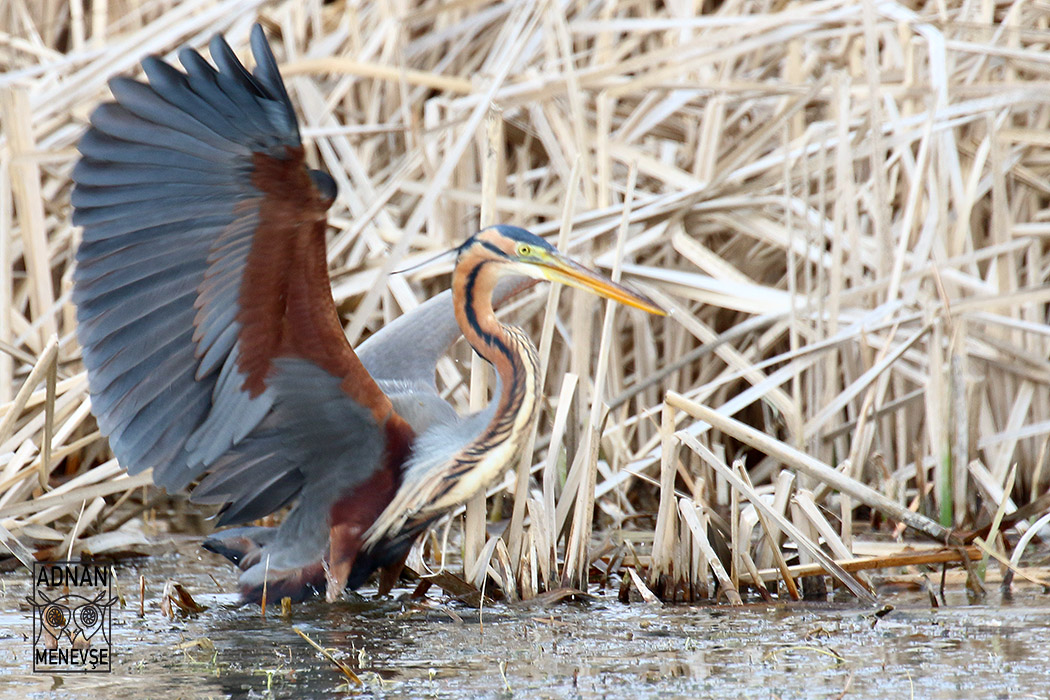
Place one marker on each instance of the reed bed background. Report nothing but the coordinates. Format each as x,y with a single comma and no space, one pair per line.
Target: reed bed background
842,204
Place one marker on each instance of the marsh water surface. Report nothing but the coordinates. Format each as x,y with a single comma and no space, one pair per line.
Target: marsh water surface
592,649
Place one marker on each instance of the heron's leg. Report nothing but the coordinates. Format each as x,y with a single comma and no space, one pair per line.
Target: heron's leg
350,518
345,543
390,573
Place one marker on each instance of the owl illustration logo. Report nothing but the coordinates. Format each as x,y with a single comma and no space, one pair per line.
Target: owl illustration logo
72,611
72,616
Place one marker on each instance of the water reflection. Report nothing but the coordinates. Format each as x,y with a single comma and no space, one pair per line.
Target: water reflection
588,649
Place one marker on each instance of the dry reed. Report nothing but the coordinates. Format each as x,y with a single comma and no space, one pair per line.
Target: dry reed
842,204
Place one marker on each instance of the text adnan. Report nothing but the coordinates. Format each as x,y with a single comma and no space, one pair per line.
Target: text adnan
72,575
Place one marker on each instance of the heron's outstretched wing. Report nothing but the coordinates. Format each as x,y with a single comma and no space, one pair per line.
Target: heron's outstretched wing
205,312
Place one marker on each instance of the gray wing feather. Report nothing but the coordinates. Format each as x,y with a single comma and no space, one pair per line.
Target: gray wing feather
163,192
316,437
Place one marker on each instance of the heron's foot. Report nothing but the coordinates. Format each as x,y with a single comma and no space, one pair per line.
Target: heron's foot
297,584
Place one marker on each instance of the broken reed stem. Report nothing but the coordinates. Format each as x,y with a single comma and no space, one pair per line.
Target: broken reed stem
893,561
474,523
362,69
811,467
666,522
50,379
577,560
793,532
26,185
725,583
772,532
266,581
343,668
1000,511
40,369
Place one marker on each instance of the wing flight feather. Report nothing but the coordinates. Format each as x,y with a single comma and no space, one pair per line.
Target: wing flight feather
205,312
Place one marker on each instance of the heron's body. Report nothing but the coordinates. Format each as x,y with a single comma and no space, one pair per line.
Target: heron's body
214,348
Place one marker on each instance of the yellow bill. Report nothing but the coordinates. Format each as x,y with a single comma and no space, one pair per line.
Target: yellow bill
557,268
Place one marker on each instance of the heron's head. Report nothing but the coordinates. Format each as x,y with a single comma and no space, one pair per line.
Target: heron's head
515,251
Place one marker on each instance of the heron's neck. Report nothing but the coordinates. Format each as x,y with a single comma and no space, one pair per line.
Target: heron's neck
511,354
506,348
483,458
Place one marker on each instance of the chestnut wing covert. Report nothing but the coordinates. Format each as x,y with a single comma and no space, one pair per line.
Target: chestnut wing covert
205,312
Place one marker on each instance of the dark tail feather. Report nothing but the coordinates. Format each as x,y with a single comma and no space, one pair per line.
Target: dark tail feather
244,546
241,545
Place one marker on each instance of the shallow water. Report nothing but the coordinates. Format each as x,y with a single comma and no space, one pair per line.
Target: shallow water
593,649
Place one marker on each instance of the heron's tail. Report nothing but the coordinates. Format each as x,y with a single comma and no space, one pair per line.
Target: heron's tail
245,547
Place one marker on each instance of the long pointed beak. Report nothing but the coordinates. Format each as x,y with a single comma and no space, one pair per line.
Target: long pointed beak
558,268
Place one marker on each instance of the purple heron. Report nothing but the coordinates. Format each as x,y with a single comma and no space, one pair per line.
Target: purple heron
214,349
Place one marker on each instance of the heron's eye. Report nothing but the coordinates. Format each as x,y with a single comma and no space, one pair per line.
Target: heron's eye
524,250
